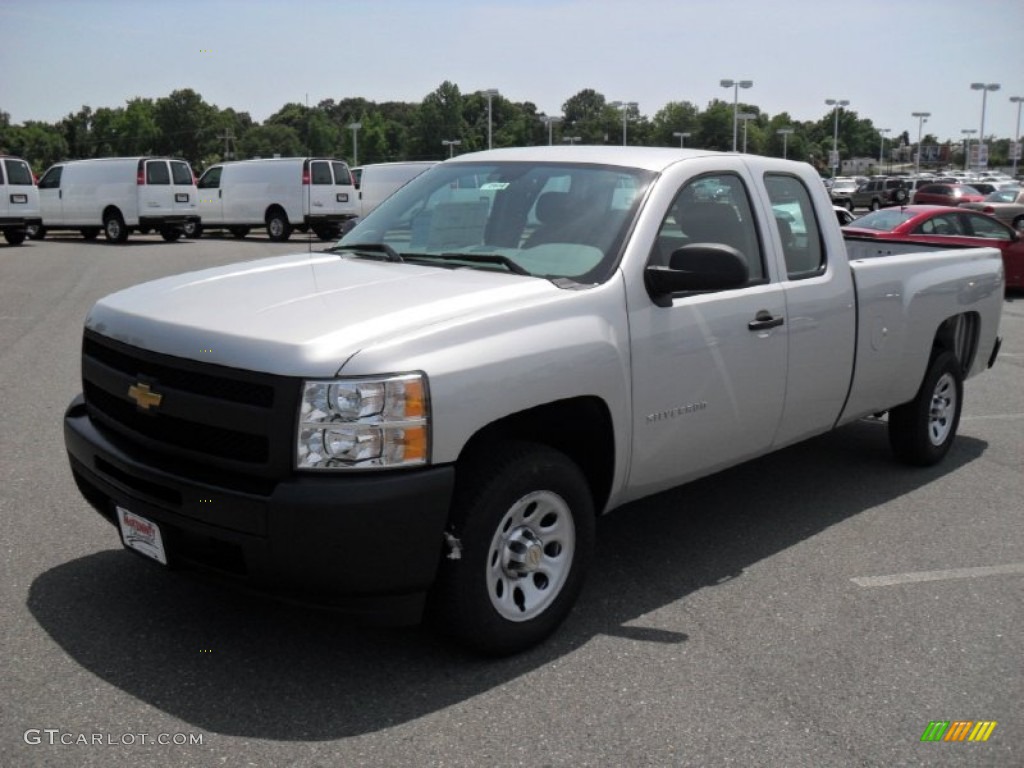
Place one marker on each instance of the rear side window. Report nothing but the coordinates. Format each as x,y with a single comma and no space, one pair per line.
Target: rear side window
18,172
341,174
157,173
986,226
181,173
797,226
320,173
51,179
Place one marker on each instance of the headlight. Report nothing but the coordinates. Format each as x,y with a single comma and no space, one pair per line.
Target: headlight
364,423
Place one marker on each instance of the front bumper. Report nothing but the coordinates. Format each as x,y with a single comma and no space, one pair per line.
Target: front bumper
366,544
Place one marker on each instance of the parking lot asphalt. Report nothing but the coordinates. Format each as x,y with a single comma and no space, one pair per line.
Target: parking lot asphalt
816,607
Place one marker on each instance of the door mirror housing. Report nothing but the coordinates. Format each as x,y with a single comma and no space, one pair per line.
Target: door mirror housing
697,268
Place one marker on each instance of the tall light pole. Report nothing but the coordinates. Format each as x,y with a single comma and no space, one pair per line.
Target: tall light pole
881,147
746,116
836,104
982,146
735,85
922,118
451,144
625,106
682,136
550,120
967,148
784,133
490,93
1018,100
354,127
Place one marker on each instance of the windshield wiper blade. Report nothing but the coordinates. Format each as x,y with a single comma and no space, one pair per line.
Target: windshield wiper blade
482,258
390,254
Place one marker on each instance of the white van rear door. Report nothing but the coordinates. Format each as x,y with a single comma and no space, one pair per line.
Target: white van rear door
156,195
184,185
320,188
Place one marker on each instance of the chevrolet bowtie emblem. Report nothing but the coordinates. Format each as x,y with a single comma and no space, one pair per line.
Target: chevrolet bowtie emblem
143,396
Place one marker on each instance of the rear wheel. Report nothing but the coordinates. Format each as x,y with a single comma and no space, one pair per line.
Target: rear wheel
35,231
171,234
848,205
114,229
90,233
14,236
326,233
875,205
192,229
278,228
239,232
922,431
525,522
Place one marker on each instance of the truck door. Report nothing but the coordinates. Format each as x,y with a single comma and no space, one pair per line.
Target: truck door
708,369
51,203
211,196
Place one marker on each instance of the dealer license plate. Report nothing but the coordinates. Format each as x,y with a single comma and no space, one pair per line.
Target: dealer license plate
142,535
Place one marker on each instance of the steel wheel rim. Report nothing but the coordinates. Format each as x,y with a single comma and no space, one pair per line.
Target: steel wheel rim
114,228
942,409
276,227
530,556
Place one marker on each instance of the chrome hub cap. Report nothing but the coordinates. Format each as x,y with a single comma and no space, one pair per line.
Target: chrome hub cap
530,556
942,410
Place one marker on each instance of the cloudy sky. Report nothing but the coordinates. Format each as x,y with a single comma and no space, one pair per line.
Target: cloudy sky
887,58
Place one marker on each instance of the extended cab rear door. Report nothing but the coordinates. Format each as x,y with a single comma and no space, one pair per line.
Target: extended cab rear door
708,369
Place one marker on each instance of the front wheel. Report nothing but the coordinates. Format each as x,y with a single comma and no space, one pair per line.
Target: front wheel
114,229
278,227
922,431
875,205
848,205
35,231
525,521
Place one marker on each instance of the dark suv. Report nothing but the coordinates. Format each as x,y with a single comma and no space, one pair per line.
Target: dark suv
879,193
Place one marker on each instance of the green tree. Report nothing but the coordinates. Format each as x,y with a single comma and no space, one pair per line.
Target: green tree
674,117
440,118
185,122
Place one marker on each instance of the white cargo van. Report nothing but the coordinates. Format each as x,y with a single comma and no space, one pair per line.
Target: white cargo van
377,182
19,204
119,195
280,193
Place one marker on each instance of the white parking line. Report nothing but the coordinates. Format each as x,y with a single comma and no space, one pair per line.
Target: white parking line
1000,416
952,573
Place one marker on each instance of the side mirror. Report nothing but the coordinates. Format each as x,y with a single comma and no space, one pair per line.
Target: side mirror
700,267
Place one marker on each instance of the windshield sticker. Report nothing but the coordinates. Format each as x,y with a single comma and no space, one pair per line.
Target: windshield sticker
494,186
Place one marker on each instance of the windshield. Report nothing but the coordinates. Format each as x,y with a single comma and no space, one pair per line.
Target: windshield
550,220
1005,195
885,220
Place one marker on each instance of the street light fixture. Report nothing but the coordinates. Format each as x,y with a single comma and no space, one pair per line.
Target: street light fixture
451,144
625,106
967,132
490,93
682,136
984,88
784,133
570,140
1018,100
735,85
354,127
881,147
549,120
922,118
836,104
745,116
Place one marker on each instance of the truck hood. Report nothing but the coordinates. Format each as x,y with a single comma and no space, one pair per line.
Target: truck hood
301,315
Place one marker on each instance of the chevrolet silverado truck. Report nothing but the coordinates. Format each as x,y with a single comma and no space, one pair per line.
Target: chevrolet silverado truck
425,419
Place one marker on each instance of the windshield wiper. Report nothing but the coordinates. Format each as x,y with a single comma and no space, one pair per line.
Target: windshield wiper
480,258
389,253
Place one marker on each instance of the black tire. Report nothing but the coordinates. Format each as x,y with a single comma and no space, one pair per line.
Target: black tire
90,233
239,232
193,230
326,233
114,229
144,230
848,205
875,205
900,196
278,228
525,521
922,431
35,231
171,234
15,236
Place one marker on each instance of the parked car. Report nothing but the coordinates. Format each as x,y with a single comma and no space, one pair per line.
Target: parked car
844,215
912,185
841,191
879,193
282,194
513,343
119,195
1006,204
19,200
947,194
941,224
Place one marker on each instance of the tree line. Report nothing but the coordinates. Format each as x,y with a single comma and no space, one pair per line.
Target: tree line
183,124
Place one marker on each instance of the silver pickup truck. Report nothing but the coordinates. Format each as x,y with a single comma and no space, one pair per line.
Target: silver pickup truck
429,416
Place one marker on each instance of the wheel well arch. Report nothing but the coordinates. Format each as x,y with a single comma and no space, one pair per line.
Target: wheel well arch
110,211
958,334
274,208
579,427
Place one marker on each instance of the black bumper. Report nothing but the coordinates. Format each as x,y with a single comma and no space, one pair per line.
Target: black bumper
171,221
366,544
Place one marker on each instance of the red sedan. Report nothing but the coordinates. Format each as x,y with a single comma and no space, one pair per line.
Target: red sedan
948,226
947,194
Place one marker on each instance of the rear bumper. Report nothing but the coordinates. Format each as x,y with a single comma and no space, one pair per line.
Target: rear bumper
19,222
368,545
172,221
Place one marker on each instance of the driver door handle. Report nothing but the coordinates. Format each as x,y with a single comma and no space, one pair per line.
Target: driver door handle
764,321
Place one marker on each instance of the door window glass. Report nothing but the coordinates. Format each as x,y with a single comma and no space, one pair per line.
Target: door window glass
341,174
181,172
797,225
321,173
211,179
943,224
18,173
157,173
51,179
986,226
